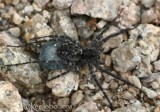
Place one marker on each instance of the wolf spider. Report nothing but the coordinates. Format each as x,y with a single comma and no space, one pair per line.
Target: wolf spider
65,53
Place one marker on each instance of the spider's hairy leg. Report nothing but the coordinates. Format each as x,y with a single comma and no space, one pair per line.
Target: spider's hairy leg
116,34
17,64
38,40
62,74
93,75
105,28
116,76
36,61
95,41
26,44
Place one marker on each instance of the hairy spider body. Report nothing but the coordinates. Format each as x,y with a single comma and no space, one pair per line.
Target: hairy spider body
66,54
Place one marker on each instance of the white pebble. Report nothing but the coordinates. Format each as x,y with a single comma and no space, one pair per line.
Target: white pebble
150,93
15,31
17,19
135,81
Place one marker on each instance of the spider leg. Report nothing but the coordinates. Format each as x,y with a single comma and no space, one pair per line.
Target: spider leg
17,64
37,61
35,40
115,34
122,30
116,76
105,28
99,85
62,74
50,36
26,44
95,41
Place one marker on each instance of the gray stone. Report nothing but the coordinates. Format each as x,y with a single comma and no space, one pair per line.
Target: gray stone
27,76
62,4
144,68
155,85
157,65
17,19
98,96
112,42
129,16
135,81
15,2
157,10
63,86
148,41
101,24
28,9
63,101
15,31
126,56
105,9
130,109
150,93
148,16
87,107
41,3
10,99
84,31
148,3
108,60
63,25
127,95
77,97
36,25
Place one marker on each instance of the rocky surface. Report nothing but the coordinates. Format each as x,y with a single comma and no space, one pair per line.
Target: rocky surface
126,56
10,99
64,85
131,109
105,9
26,76
133,55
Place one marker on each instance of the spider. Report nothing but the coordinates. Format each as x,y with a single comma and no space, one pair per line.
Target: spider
62,52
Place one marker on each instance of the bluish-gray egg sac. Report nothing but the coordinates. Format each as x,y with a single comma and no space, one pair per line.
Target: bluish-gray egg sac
48,56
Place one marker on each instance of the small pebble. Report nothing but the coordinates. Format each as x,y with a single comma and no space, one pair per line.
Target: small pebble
28,9
135,81
97,96
17,19
101,24
87,107
15,31
10,97
157,109
155,85
62,4
63,101
77,97
157,65
150,93
130,109
148,3
63,86
114,85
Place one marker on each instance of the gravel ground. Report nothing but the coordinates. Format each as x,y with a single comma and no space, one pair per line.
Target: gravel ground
133,55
